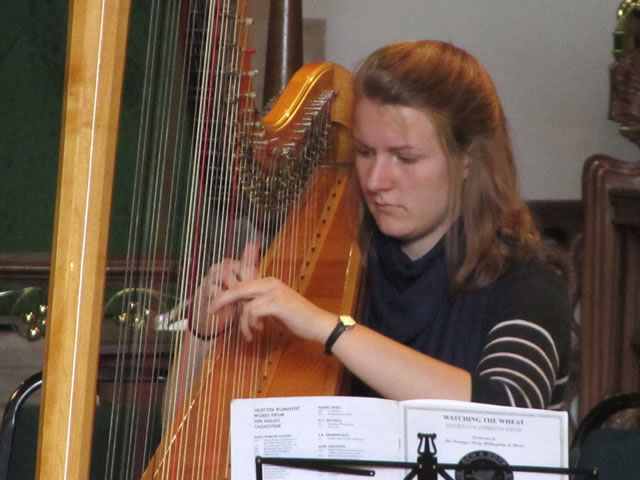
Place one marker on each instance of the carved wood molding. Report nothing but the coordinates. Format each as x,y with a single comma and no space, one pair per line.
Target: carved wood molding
610,280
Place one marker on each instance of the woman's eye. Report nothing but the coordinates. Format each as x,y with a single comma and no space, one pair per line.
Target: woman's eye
362,152
405,159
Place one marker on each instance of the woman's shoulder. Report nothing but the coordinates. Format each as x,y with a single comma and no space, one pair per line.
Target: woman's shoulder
530,273
532,290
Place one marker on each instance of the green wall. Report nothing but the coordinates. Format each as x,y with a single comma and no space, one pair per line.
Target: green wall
32,60
31,85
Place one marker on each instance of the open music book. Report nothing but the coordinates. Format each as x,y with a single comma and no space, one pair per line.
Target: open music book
379,429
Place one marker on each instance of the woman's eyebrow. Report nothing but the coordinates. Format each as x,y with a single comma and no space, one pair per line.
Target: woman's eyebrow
359,143
405,148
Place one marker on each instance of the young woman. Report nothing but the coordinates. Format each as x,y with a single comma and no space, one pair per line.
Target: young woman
459,302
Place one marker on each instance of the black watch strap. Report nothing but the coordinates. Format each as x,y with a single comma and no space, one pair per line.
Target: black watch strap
345,322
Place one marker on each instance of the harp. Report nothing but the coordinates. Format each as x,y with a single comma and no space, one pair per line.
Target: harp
309,122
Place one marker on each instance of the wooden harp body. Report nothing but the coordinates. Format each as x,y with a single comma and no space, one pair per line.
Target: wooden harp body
312,247
327,266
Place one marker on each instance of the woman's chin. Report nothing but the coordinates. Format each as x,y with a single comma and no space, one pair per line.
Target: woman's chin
393,232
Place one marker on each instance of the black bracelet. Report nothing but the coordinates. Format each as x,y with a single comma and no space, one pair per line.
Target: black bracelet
197,334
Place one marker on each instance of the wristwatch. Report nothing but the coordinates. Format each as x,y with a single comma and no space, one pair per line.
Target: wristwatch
345,322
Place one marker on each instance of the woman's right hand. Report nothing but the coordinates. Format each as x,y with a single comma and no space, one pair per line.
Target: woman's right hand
220,277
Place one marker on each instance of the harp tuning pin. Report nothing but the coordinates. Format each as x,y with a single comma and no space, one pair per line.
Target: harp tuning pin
290,149
234,99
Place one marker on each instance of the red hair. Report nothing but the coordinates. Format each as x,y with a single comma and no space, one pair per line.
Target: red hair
495,228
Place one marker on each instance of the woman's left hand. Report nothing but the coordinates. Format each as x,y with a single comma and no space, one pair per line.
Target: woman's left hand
270,297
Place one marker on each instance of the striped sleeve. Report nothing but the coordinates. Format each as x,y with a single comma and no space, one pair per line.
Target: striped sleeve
522,359
525,359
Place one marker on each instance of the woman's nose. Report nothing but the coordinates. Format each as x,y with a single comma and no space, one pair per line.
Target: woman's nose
379,174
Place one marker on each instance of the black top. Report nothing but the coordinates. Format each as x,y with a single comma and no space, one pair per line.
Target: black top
512,336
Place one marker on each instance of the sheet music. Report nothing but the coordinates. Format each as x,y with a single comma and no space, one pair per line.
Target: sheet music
378,429
473,432
312,427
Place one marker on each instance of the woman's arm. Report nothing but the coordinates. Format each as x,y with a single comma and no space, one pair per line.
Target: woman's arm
520,366
397,371
525,359
392,369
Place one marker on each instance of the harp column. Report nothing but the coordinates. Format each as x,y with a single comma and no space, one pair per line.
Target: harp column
96,43
284,47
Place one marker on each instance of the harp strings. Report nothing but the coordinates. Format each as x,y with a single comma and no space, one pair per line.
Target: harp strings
213,198
223,144
128,370
218,210
209,179
158,211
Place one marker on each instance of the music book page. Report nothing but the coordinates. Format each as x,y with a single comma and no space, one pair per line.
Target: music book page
377,429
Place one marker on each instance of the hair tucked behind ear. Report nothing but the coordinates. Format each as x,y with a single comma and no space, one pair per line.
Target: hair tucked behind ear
455,91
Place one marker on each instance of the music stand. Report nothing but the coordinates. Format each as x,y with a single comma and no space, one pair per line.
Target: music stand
426,466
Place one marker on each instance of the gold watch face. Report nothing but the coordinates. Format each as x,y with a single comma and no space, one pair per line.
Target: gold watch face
347,321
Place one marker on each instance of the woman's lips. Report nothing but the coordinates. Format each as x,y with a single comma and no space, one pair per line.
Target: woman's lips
383,207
